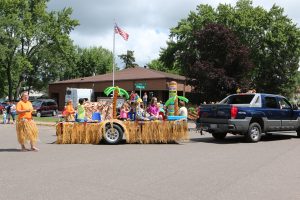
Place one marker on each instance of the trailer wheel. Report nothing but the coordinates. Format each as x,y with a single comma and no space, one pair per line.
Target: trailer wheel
219,136
254,132
113,135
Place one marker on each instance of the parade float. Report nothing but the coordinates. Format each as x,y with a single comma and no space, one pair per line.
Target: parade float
108,128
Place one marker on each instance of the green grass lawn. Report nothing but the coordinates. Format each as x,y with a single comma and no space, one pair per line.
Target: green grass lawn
46,119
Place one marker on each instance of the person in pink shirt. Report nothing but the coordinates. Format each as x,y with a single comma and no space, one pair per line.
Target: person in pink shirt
153,109
124,111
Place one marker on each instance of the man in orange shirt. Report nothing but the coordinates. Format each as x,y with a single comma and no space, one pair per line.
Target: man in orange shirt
26,127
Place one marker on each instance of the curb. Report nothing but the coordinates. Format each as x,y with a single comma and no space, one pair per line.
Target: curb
45,124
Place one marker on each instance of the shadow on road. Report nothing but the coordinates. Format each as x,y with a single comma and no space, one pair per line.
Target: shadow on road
241,139
102,142
275,137
10,150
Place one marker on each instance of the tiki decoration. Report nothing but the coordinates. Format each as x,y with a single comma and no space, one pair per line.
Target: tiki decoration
172,93
174,100
116,92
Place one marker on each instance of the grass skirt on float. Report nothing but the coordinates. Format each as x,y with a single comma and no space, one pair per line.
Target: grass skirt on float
26,131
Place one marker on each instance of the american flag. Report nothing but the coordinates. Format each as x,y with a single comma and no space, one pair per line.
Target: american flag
121,32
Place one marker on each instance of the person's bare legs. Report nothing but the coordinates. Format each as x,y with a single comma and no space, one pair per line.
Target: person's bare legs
33,148
23,148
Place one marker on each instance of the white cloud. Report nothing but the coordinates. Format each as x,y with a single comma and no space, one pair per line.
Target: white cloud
147,22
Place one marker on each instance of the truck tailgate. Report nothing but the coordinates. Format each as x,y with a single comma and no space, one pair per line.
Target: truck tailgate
215,111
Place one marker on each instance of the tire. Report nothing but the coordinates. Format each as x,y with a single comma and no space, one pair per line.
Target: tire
219,136
254,133
298,133
54,113
113,135
38,114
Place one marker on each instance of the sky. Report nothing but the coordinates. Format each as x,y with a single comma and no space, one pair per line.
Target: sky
148,22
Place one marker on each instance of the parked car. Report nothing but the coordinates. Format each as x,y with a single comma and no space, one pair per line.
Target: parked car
43,107
249,115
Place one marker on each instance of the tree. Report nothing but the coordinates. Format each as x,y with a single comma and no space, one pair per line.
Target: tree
117,92
158,65
174,100
222,62
93,61
128,59
33,42
272,38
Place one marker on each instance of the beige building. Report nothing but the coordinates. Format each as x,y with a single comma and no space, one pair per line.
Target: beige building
156,84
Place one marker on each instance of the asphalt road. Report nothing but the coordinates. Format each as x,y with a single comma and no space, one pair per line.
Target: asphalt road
197,169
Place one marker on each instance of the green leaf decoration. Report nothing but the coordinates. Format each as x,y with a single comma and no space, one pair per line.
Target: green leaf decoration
124,93
108,90
183,99
170,100
121,91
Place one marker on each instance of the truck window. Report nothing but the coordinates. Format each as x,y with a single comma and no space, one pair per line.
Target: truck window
270,102
284,104
238,99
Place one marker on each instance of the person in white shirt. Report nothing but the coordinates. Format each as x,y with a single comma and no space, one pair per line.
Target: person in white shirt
183,110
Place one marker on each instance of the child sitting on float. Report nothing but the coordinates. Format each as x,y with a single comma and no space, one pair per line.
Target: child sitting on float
81,111
124,111
140,112
69,111
153,110
161,111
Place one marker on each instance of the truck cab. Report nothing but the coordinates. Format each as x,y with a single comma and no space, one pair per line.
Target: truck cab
249,114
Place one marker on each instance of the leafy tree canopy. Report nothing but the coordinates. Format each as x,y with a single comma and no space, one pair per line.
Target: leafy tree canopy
272,38
128,59
93,61
35,45
158,65
222,61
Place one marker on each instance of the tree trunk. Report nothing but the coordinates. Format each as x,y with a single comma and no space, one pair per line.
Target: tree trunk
176,109
18,88
9,81
115,98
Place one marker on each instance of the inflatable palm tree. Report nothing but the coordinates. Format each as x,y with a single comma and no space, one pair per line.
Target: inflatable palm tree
117,92
175,101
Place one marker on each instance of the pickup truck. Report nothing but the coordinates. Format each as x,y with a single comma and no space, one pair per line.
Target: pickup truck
249,114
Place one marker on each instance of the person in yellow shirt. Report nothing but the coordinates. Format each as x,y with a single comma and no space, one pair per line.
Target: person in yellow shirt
26,127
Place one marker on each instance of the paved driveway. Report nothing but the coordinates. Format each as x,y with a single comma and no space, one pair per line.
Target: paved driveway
197,169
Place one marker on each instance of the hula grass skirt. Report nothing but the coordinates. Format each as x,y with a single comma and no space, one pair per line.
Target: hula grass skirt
26,131
156,132
135,132
78,133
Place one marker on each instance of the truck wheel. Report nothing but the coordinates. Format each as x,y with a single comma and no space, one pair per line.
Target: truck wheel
219,136
38,114
113,135
254,132
298,133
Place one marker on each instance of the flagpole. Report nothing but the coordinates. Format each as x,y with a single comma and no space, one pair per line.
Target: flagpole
113,66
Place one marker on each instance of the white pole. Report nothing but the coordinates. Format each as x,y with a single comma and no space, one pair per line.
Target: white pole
114,56
140,93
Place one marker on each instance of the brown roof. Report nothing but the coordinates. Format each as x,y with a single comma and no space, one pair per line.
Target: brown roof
135,73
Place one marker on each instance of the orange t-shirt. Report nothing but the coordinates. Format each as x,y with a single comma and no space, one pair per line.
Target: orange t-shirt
70,110
24,106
